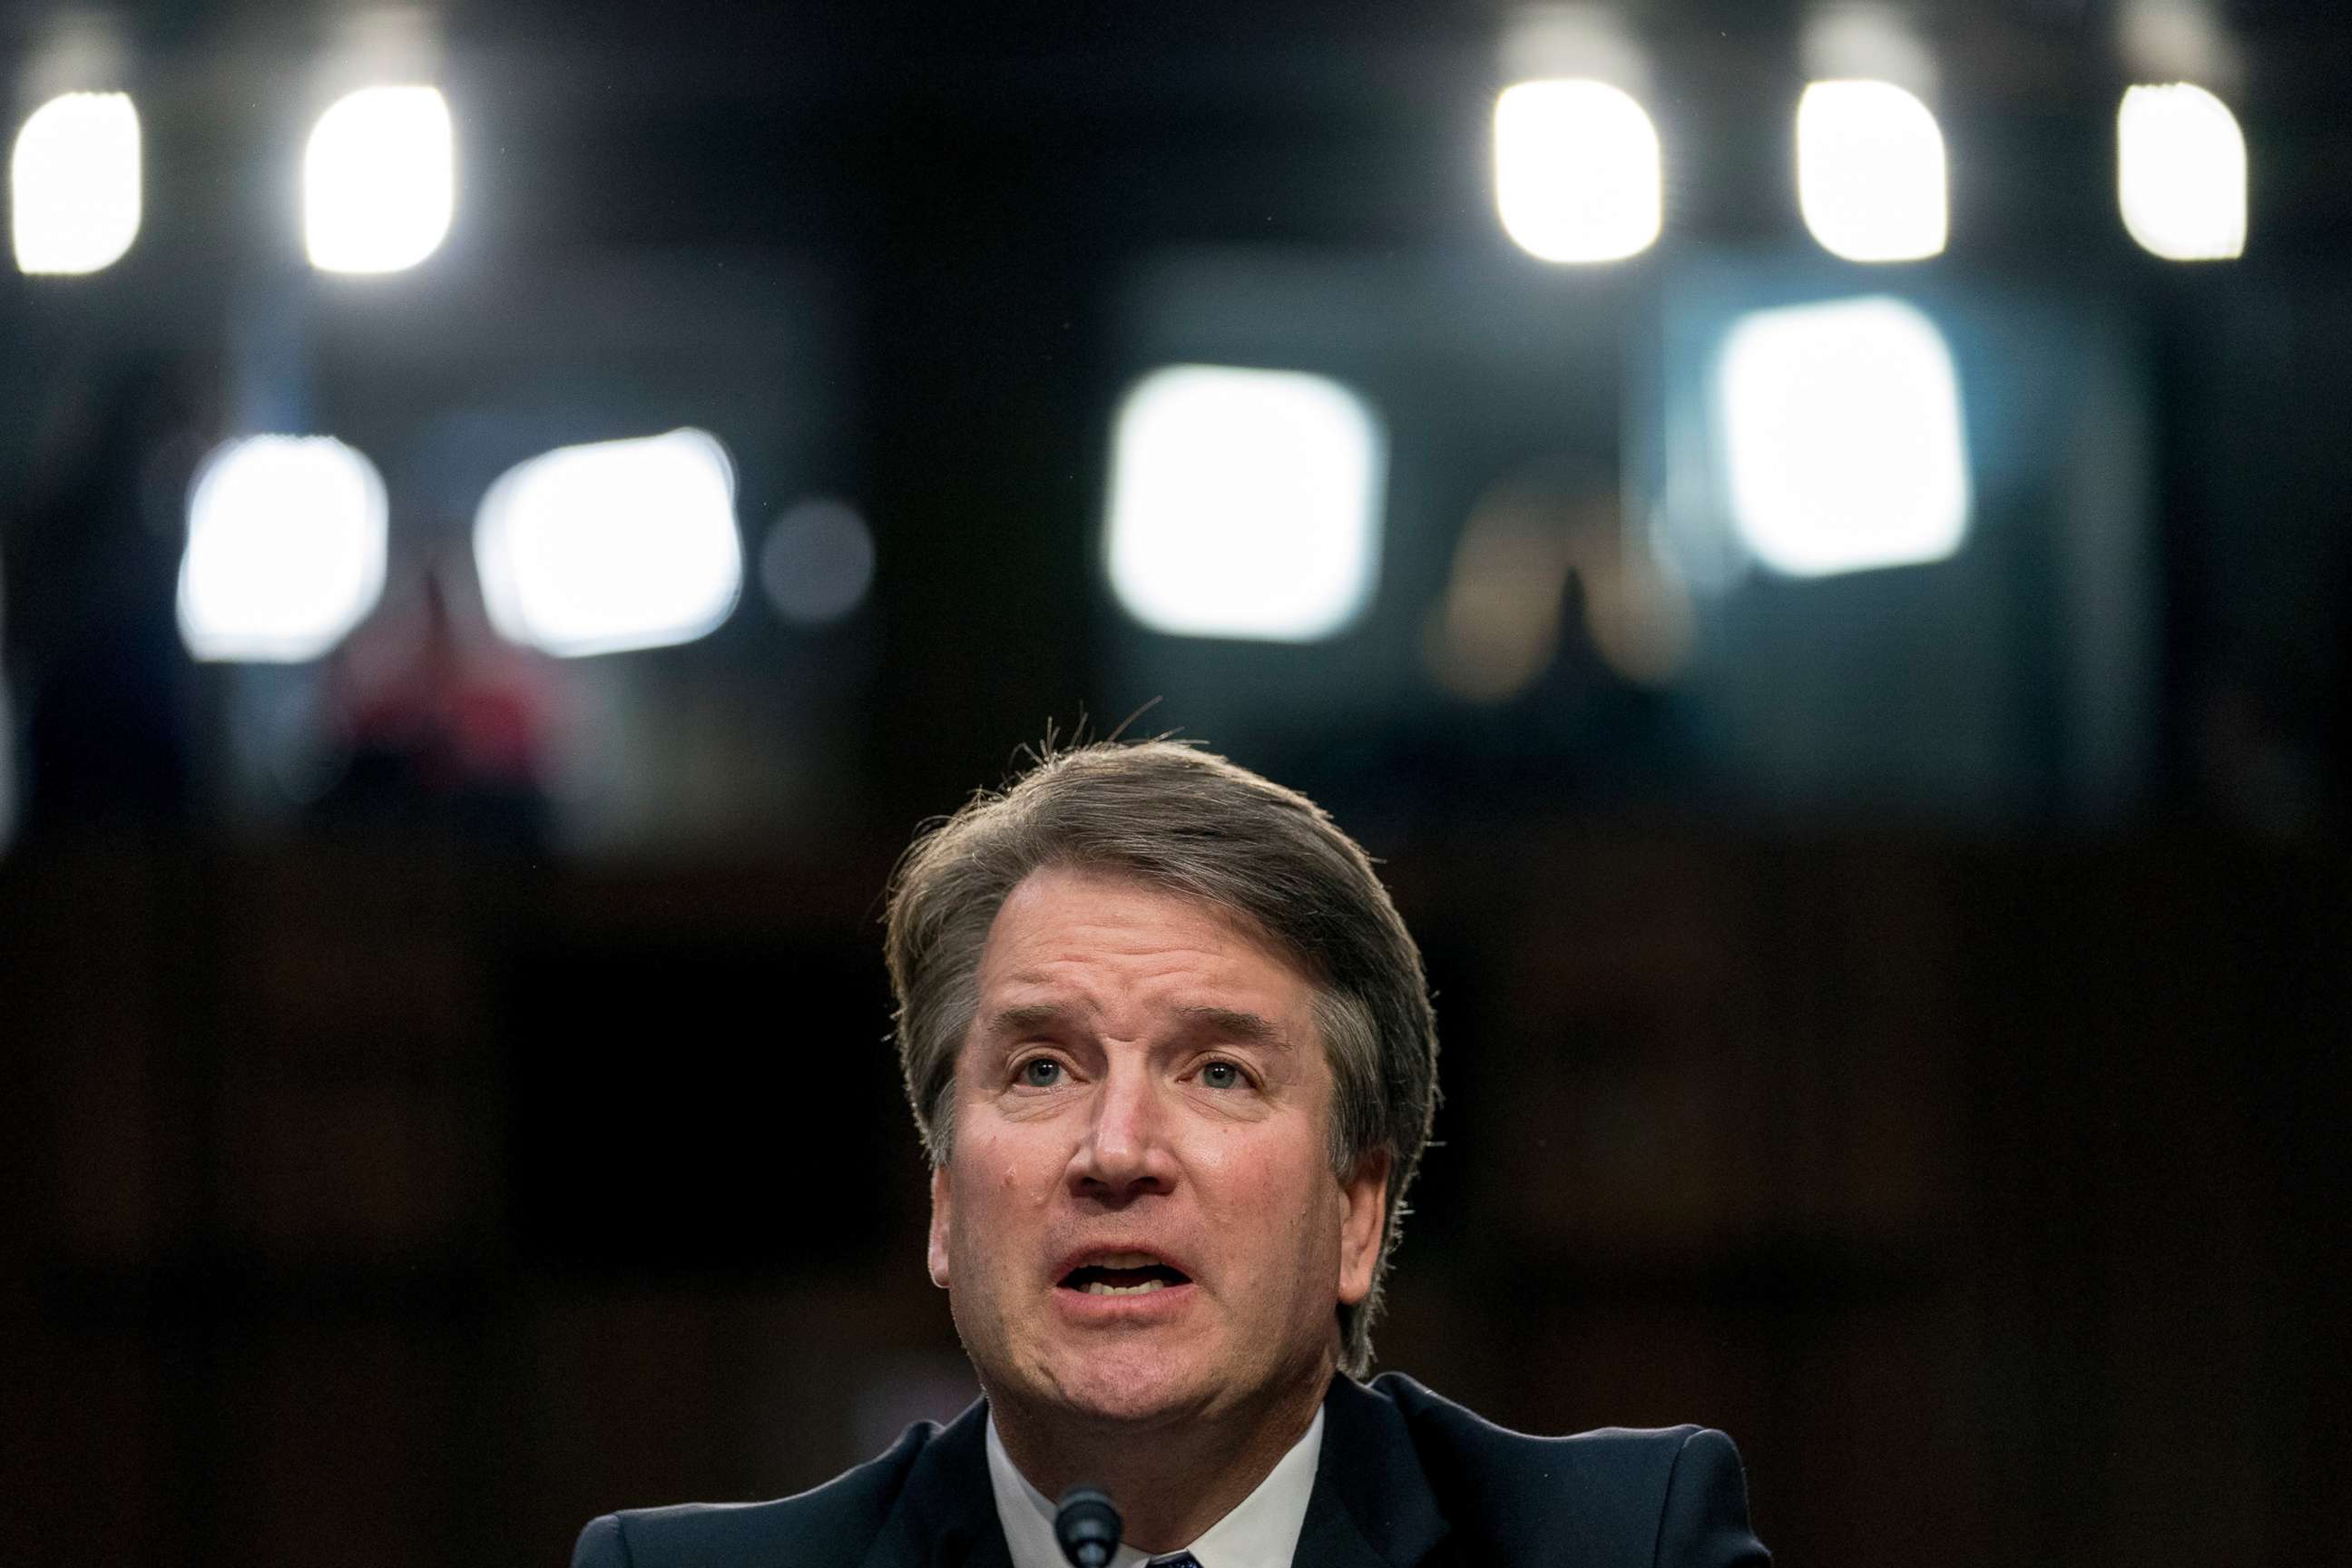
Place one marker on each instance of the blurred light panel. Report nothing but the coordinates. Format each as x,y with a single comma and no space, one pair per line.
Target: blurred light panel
1870,171
1577,171
286,546
612,546
817,562
1244,503
1842,436
73,183
2181,173
378,180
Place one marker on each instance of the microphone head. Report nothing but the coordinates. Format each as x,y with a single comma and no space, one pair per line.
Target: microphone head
1087,1526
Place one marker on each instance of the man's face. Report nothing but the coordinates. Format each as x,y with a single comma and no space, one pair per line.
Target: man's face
1138,1221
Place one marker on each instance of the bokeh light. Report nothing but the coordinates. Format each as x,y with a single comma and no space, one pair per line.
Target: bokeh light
73,182
612,546
379,183
1577,170
1498,625
1244,503
1870,171
2181,173
817,562
285,549
1843,436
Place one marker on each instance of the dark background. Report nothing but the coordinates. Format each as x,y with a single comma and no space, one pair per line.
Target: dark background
1907,1036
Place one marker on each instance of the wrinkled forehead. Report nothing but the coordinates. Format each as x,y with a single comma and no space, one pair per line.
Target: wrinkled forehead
1106,940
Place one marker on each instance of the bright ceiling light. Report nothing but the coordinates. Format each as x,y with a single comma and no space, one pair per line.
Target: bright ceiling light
612,546
1842,436
2181,173
1577,173
74,184
1870,171
1244,503
378,180
286,544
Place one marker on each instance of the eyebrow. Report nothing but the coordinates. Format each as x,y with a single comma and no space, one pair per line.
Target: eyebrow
1235,1023
1021,1020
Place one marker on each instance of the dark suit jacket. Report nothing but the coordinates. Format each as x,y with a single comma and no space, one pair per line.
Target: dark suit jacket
1406,1479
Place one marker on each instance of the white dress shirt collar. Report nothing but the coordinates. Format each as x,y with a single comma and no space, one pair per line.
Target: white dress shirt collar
1261,1531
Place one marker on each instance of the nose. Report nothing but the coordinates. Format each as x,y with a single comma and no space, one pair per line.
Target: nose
1125,1151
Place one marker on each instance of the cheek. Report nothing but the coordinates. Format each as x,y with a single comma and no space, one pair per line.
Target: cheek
1007,1176
1282,1198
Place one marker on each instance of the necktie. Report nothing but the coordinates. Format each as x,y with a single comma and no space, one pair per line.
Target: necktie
1174,1560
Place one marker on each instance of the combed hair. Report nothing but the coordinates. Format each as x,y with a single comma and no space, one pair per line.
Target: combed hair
1182,819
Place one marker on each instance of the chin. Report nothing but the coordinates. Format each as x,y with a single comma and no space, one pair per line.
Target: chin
1131,1388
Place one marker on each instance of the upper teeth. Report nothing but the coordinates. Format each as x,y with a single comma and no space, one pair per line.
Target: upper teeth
1103,1288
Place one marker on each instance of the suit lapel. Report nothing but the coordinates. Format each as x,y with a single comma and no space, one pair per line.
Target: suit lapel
1371,1506
945,1516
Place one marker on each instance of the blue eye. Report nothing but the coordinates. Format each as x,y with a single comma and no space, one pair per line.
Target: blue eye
1040,1072
1222,1075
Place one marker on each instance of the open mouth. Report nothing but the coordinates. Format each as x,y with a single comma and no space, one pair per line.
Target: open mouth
1129,1274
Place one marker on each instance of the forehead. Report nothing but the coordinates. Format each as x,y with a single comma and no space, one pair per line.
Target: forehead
1086,929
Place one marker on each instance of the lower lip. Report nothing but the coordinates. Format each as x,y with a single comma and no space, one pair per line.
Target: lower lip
1143,1307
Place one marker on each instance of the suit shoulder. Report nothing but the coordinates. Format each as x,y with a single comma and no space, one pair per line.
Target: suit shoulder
831,1525
1670,1495
1437,1420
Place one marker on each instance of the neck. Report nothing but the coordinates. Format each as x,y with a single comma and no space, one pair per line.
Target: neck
1171,1481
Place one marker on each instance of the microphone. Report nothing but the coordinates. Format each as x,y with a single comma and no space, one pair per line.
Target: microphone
1087,1526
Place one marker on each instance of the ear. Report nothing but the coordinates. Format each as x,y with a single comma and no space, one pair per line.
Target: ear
1366,1196
942,1226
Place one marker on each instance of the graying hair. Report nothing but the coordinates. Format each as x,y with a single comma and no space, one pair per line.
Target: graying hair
1187,821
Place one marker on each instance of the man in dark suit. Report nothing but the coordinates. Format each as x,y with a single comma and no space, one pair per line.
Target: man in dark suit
1173,1056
